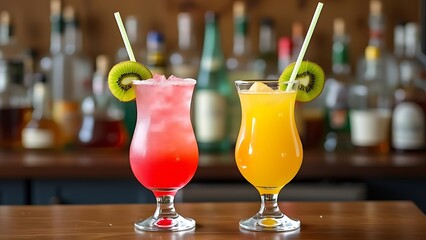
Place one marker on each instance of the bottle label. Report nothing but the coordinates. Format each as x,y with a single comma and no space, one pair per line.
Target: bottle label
369,127
338,118
209,116
185,71
37,138
211,64
408,126
68,116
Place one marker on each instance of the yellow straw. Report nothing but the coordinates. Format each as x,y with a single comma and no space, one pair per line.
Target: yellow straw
124,36
305,45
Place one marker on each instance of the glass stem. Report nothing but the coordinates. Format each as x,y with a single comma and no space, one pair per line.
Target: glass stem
269,206
165,207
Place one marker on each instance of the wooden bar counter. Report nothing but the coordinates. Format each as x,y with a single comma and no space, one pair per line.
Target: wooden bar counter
316,165
320,220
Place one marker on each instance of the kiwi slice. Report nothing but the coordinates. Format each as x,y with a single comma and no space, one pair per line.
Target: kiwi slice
120,79
311,80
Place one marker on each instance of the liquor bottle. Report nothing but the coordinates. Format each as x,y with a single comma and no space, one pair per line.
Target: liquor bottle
241,65
102,126
185,60
156,55
370,106
132,25
284,53
310,116
12,51
377,30
66,102
212,94
41,132
9,49
297,37
336,89
284,59
409,113
267,60
81,64
15,107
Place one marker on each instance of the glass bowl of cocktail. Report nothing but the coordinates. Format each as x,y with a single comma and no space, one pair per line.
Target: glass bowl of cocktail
268,150
163,152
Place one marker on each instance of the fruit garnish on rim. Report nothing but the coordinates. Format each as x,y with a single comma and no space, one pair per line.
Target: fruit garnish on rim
120,79
310,77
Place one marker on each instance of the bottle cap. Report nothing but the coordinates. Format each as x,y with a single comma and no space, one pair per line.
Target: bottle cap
102,64
339,27
375,7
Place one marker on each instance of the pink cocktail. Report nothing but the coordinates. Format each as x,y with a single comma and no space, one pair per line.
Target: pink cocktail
164,152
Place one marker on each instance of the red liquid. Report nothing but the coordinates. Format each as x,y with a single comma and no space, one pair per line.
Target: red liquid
164,172
163,152
102,133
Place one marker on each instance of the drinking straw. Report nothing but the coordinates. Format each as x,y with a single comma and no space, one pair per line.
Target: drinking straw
305,45
124,36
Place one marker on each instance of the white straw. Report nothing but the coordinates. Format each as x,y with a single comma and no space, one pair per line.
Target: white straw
305,45
124,36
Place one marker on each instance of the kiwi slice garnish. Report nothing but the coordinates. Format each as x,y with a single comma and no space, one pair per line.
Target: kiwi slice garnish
120,79
311,80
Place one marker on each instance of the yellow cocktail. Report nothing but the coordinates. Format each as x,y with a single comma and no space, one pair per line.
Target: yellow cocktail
268,151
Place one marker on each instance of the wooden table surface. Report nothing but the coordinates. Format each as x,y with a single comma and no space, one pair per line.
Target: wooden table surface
320,220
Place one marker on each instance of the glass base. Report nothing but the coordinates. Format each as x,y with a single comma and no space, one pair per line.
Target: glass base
178,223
272,224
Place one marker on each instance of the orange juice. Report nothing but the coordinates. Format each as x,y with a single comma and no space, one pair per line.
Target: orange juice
268,151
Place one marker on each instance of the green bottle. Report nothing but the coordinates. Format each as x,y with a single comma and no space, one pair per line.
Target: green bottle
212,96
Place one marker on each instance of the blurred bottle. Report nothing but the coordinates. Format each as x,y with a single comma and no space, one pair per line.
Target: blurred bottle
284,59
212,94
15,106
132,26
11,51
336,89
370,106
297,37
156,53
241,65
185,60
102,125
377,27
69,72
310,116
267,60
409,113
81,64
284,53
41,132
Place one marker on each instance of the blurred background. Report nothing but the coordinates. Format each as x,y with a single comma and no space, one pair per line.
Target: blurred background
63,137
